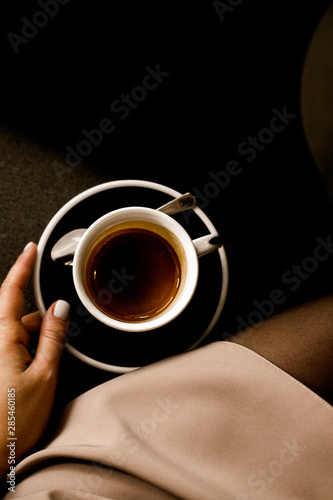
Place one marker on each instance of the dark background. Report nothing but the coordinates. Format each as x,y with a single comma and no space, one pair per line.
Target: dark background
225,77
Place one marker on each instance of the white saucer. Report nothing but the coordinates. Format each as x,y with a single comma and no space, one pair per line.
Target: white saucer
53,281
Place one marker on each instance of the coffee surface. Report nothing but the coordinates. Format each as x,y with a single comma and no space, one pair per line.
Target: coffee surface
133,275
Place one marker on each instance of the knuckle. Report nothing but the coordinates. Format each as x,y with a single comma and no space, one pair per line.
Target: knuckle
54,335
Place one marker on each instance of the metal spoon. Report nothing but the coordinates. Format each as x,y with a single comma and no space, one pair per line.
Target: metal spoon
63,251
180,204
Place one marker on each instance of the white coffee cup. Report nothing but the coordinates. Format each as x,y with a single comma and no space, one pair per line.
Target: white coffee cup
115,231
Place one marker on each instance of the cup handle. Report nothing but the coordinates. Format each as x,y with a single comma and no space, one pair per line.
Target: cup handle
207,244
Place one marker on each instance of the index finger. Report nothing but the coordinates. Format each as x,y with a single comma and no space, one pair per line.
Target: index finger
12,289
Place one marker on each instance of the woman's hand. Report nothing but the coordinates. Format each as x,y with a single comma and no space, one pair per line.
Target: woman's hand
27,386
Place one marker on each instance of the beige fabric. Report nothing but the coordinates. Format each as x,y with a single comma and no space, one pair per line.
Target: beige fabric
217,423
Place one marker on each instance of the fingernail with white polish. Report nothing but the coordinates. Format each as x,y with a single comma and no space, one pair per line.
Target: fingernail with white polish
27,246
61,310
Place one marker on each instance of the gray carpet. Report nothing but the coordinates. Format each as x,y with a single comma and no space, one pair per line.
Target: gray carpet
32,191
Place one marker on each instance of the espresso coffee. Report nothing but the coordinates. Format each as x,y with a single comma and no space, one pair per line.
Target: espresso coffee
133,274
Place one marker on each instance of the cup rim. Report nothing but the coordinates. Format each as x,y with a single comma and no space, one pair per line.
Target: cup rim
146,214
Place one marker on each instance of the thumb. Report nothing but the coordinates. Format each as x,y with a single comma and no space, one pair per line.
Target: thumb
52,338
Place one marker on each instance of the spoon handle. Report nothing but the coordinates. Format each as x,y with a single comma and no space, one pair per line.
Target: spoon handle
63,251
184,202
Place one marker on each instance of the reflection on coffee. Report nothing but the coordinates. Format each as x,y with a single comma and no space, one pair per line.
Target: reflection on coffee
133,274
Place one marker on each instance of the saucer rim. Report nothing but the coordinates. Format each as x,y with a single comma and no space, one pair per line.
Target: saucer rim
113,185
